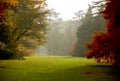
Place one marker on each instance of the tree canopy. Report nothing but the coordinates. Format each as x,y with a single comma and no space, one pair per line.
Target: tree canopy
88,24
23,26
106,47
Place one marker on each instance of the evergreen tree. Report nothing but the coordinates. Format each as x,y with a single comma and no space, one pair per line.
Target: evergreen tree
90,24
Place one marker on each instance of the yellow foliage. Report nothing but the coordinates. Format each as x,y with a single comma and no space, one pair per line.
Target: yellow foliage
21,47
28,52
105,60
11,2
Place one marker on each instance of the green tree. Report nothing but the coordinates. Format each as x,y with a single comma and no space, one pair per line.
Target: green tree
54,36
90,24
60,36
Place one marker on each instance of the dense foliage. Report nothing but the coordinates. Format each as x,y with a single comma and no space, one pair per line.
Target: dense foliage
106,47
22,26
88,24
5,4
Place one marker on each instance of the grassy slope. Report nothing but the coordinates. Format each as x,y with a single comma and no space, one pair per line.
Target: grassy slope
53,68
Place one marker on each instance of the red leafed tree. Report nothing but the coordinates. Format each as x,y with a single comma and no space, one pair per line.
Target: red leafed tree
106,46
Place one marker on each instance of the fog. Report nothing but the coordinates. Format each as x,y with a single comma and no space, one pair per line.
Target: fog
68,36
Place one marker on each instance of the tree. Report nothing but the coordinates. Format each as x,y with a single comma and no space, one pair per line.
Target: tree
52,15
32,26
4,5
79,15
25,27
89,24
4,29
60,36
106,47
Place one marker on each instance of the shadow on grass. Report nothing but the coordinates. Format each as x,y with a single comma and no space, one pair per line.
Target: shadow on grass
2,67
81,73
91,73
108,69
107,66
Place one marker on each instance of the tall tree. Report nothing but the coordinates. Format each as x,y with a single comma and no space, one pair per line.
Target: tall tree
60,37
25,26
88,25
106,47
4,29
32,26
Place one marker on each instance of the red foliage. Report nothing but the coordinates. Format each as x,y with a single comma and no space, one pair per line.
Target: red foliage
3,7
106,46
112,14
5,4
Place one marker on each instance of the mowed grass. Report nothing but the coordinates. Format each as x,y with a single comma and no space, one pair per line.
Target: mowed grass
56,68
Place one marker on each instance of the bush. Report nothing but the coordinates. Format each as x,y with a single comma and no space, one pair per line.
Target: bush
10,54
6,54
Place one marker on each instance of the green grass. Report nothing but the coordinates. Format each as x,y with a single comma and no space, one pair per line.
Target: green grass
56,68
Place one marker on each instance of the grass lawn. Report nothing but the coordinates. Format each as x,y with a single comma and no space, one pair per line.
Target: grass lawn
56,68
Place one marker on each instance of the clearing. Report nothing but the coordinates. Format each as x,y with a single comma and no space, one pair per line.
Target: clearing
56,68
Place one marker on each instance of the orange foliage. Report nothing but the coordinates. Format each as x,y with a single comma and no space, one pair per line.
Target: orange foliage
28,52
5,4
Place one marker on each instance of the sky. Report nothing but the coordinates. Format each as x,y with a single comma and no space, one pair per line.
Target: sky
67,8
